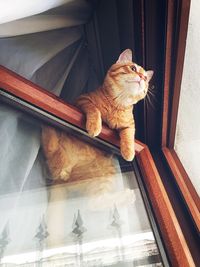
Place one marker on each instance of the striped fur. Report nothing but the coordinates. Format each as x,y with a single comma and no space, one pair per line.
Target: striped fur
125,84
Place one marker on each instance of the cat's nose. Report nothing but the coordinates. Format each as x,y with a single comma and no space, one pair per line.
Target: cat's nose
142,76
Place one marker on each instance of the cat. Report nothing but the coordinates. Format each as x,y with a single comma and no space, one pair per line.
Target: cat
68,157
125,84
85,168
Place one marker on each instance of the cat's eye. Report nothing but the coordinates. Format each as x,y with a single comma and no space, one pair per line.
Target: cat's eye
133,68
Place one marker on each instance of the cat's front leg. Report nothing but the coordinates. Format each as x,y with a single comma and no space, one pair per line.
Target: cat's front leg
93,122
93,116
127,143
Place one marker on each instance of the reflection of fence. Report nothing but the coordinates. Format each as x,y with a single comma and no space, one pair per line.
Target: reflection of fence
4,240
139,249
116,224
41,237
78,230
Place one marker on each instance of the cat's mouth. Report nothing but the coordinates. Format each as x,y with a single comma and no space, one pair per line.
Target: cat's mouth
136,79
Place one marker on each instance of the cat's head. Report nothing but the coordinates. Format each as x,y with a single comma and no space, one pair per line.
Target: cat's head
126,82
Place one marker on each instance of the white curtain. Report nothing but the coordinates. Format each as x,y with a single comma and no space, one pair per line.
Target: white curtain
43,55
42,41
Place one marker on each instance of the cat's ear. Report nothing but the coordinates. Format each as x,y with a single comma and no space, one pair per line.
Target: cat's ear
149,74
125,56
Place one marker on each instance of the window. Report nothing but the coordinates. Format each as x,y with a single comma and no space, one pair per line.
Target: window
171,139
58,113
97,217
146,27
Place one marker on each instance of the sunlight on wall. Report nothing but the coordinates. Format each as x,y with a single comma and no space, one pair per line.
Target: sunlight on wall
187,142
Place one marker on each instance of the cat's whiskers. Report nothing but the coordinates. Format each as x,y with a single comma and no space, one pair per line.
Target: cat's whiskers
148,100
151,93
152,88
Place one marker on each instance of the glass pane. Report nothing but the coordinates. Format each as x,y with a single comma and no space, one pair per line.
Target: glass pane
93,216
187,140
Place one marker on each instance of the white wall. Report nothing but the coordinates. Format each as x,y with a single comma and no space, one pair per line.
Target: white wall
187,143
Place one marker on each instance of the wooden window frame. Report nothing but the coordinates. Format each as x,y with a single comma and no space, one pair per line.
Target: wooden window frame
174,61
38,98
148,33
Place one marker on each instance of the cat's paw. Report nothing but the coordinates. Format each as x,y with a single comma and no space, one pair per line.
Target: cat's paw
65,174
60,174
94,127
128,152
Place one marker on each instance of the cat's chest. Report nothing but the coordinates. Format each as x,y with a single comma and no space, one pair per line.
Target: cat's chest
117,119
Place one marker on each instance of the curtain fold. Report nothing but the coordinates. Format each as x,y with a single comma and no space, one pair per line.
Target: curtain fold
28,53
41,41
24,17
46,58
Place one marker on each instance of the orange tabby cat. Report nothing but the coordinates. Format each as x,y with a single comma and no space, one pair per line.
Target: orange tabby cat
125,84
68,157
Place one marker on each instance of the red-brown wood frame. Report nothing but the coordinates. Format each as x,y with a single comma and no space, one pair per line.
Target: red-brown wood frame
171,232
168,223
190,195
174,60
